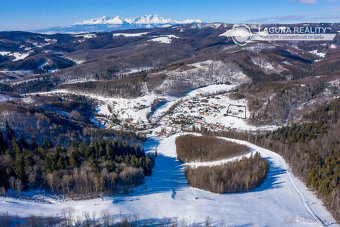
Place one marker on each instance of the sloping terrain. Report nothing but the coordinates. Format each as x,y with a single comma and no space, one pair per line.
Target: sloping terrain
158,83
281,200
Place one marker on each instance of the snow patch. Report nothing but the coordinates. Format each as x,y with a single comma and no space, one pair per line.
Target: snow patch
219,162
5,98
50,41
17,56
4,53
20,56
335,83
266,66
77,61
199,25
167,39
87,36
317,53
201,74
135,70
130,34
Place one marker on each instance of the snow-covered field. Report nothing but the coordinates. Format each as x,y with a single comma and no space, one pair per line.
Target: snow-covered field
282,200
17,56
5,98
87,36
167,39
130,34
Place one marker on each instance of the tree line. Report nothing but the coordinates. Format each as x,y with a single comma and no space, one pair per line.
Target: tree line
81,170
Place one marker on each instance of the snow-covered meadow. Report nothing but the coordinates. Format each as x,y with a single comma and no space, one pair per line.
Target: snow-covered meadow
166,39
17,55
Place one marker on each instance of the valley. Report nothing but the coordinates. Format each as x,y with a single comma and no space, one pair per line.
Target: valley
119,91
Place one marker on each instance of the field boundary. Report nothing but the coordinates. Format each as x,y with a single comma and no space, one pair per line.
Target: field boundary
238,106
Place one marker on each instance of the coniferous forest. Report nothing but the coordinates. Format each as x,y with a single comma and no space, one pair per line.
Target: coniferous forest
81,170
237,176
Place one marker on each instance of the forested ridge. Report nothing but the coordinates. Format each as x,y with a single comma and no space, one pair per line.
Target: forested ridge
312,149
315,124
317,145
81,170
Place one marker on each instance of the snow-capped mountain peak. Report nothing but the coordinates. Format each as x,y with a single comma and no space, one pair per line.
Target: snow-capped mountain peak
102,20
154,19
105,24
147,19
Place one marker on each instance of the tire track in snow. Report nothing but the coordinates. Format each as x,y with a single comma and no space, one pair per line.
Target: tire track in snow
286,168
311,212
218,162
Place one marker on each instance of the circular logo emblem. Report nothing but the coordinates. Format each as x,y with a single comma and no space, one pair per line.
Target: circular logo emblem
241,34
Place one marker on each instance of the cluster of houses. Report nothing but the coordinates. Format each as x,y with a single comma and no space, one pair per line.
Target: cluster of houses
190,114
167,131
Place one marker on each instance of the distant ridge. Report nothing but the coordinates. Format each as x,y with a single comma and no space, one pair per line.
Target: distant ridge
105,24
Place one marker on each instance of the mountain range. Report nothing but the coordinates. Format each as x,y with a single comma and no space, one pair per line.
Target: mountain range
106,24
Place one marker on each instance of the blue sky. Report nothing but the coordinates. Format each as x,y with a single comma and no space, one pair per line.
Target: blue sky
35,14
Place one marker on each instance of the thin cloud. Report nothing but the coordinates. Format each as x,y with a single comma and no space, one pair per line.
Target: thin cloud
294,19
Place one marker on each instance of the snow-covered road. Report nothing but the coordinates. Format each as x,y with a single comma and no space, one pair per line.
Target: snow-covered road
282,200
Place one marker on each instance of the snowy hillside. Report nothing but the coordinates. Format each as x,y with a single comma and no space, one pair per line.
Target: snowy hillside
280,201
